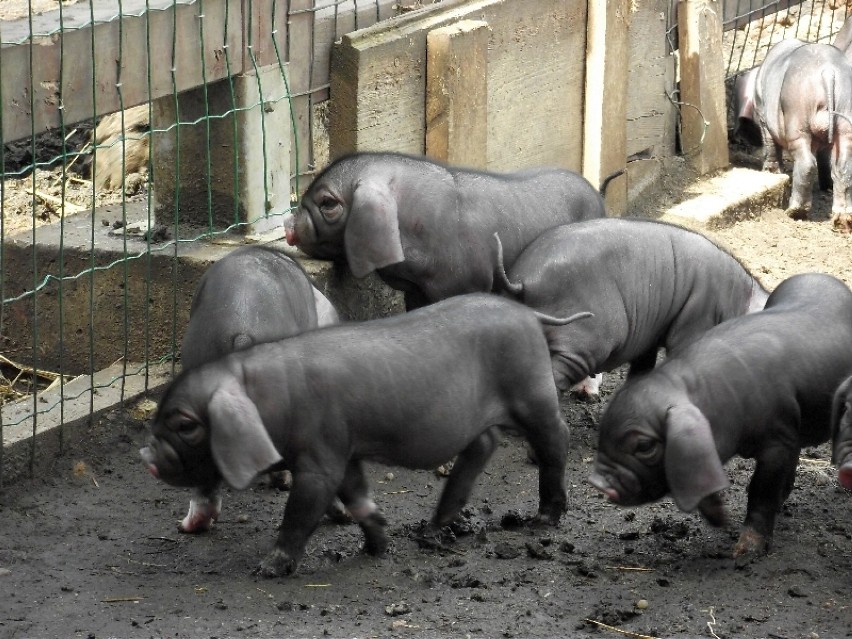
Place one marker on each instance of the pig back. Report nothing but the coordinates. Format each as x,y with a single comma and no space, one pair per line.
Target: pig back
253,295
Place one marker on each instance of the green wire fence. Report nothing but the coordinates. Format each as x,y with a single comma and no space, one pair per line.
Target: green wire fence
201,91
61,72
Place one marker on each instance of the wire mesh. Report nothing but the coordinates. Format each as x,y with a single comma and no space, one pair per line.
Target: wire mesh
71,191
751,27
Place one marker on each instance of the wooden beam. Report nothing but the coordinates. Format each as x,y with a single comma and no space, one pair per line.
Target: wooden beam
378,82
704,137
93,63
91,71
605,147
457,93
301,31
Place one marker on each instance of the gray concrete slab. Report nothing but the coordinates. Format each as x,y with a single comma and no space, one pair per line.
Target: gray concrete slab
727,197
35,426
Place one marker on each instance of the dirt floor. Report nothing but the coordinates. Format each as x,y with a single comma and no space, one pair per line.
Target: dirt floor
92,549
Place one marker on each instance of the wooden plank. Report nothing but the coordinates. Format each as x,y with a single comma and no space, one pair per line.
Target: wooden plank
535,110
536,73
704,133
605,150
265,23
333,19
263,122
457,93
86,67
650,112
300,44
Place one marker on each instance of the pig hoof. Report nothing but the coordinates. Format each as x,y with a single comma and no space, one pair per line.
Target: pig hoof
203,511
276,564
196,525
750,545
376,542
338,514
589,389
842,223
797,213
548,517
280,480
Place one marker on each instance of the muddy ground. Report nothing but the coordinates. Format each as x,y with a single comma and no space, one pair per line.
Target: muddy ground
91,549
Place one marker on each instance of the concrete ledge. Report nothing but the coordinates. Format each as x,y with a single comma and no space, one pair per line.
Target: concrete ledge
729,197
131,290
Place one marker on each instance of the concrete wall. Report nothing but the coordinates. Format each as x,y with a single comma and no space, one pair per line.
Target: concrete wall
154,303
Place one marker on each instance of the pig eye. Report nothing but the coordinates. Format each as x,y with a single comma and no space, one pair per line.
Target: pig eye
646,448
191,432
329,208
188,428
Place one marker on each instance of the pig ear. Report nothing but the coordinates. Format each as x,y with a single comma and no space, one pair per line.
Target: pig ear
840,407
371,238
240,444
693,467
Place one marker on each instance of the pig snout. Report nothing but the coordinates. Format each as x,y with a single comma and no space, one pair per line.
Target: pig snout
600,482
149,458
289,224
163,462
844,474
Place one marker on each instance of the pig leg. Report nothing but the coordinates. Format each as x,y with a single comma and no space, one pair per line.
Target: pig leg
804,171
204,508
823,158
355,495
468,464
772,152
643,363
770,485
841,173
310,496
548,437
414,299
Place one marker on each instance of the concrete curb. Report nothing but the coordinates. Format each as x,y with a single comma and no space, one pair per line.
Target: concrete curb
32,435
729,197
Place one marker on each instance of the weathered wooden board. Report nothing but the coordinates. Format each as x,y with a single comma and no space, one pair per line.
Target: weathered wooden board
702,85
606,108
650,112
232,167
457,94
94,45
107,66
536,72
332,19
